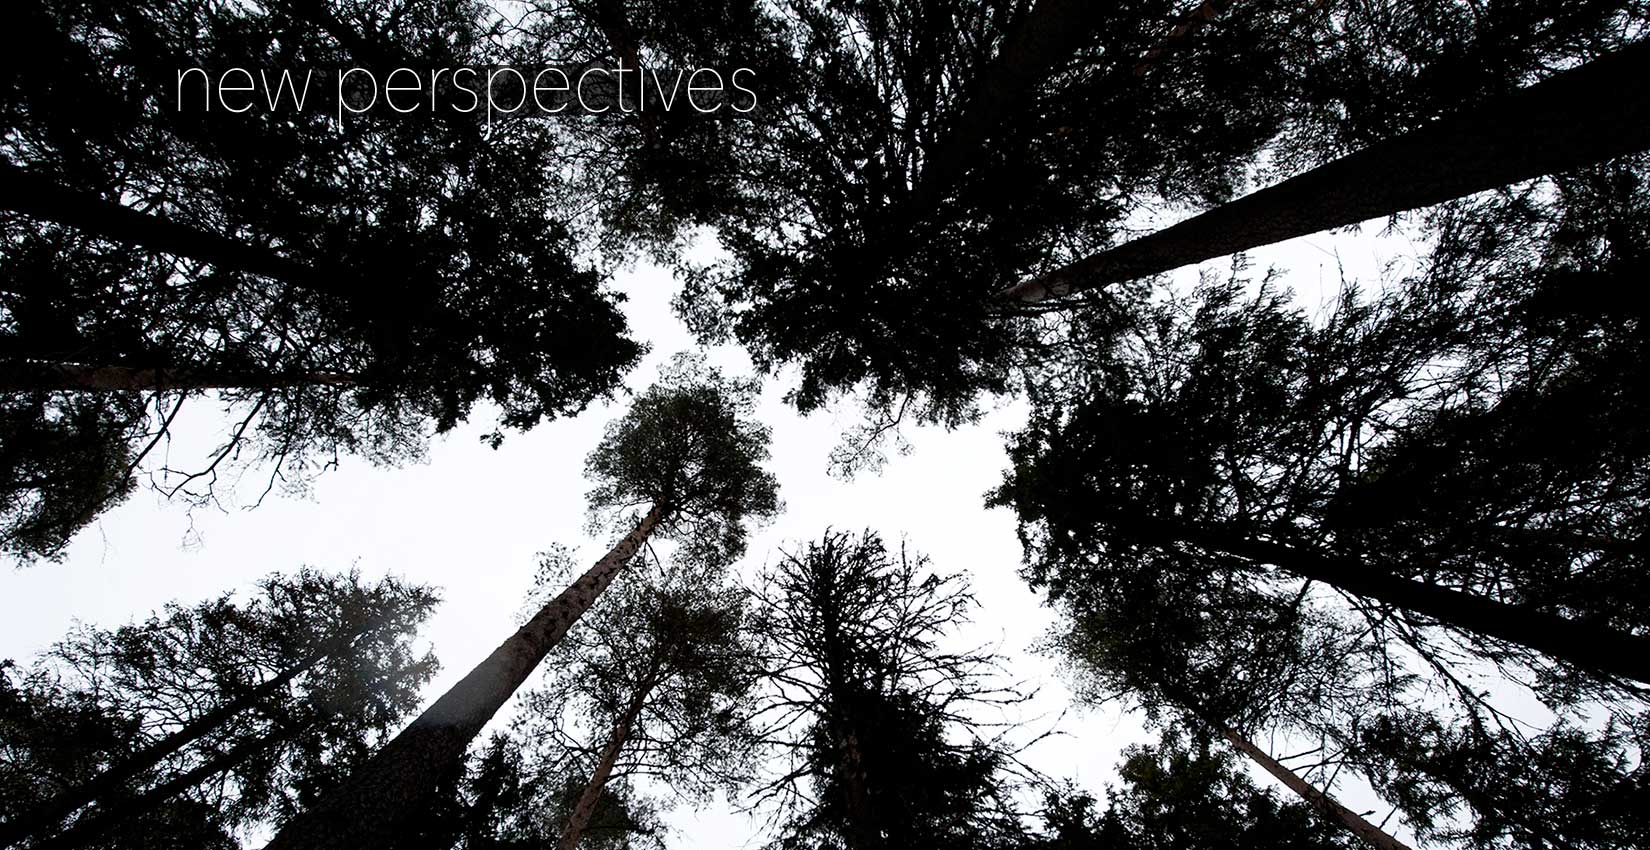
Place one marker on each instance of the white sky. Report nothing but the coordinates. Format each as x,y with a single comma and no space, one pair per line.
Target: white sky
470,520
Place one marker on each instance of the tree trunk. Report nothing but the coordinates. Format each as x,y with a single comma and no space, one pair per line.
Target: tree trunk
1576,118
44,199
845,703
1583,644
366,810
579,819
862,828
36,375
48,814
103,818
1326,805
1049,34
1632,546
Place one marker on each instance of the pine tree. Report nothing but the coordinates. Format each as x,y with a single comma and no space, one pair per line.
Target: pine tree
1576,118
654,683
688,450
873,713
1225,495
1180,793
242,709
340,289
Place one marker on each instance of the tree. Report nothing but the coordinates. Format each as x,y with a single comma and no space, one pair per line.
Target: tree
342,289
1574,119
1464,435
689,452
1248,434
240,709
651,174
515,793
939,152
1179,794
62,460
869,293
873,714
654,683
39,718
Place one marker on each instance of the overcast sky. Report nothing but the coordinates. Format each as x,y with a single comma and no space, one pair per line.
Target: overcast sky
470,519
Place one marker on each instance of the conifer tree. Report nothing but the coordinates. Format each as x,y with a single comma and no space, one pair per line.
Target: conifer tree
339,289
1314,523
1181,793
875,716
236,710
688,453
655,683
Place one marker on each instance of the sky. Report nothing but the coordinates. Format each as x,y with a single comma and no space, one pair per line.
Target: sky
469,520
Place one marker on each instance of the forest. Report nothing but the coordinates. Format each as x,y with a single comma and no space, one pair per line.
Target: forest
1029,425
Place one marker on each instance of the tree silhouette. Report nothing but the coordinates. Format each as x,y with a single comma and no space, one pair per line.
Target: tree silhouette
654,683
872,713
1180,793
686,450
242,709
339,289
1456,439
1573,120
514,793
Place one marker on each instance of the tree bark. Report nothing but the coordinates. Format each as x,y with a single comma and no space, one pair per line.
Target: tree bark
39,197
50,813
37,375
579,820
365,811
1583,644
863,829
1326,805
1578,117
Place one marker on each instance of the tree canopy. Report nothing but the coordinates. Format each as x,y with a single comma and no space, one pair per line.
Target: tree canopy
342,289
206,720
1390,550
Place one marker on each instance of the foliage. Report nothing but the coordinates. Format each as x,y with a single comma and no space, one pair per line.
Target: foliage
118,692
689,446
511,796
438,273
870,711
1465,429
674,641
1181,794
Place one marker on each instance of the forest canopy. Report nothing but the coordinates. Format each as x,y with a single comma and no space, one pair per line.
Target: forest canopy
1283,476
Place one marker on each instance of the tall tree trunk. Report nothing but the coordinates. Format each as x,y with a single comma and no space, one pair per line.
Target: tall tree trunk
366,810
31,375
1048,35
579,820
1322,802
1584,644
1326,805
862,827
1578,117
50,813
39,197
100,820
845,704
